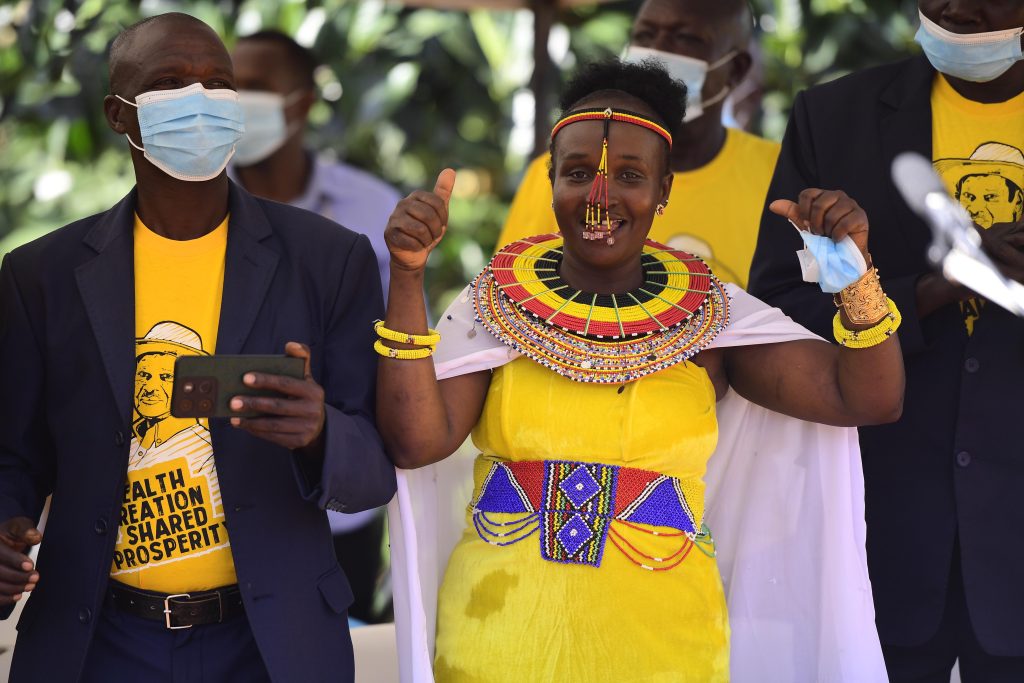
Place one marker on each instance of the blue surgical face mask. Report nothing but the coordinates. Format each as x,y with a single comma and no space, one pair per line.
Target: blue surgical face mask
188,133
833,265
266,129
978,57
689,70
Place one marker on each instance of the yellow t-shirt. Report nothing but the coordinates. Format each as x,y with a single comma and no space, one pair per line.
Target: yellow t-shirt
713,212
976,149
172,536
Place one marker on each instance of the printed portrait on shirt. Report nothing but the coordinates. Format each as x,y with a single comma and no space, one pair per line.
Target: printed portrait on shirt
989,183
153,426
172,515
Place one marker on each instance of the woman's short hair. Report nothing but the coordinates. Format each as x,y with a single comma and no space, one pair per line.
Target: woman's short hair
647,81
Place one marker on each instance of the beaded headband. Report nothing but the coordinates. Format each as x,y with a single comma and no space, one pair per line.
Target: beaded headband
612,115
597,200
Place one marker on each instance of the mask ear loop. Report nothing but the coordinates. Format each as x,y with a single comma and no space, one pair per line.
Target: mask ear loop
129,137
723,60
293,97
724,92
290,99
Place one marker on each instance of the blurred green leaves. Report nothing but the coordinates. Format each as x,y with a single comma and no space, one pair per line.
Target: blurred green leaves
805,42
405,92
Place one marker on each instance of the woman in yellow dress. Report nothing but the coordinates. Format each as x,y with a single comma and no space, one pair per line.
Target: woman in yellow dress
586,557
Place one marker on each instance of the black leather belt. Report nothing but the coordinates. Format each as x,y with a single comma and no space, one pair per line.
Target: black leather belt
178,610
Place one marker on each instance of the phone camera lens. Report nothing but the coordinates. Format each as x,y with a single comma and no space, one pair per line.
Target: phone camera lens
205,387
186,405
205,405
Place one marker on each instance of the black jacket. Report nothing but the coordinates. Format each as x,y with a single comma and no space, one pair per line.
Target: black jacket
952,466
67,360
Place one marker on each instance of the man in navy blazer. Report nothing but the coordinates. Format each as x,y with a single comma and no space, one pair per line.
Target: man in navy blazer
943,485
293,282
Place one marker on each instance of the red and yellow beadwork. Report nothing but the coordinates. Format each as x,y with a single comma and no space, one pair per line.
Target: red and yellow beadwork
679,309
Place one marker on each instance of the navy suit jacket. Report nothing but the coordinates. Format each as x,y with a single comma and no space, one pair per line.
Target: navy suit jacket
67,362
952,467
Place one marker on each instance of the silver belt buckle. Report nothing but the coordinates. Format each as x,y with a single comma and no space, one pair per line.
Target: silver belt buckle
167,611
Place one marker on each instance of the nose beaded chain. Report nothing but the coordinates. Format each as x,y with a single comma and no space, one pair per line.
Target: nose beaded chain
597,218
597,200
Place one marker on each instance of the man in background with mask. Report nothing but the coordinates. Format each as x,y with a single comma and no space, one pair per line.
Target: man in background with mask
721,174
943,485
275,79
200,554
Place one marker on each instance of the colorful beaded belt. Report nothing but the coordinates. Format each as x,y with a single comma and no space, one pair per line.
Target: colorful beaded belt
577,506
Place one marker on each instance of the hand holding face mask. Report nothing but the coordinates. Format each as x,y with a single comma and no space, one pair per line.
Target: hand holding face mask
834,229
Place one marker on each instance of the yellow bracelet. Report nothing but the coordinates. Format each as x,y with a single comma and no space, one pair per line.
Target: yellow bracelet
402,354
430,339
872,336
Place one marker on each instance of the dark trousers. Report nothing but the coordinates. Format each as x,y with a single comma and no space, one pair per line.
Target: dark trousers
932,661
129,648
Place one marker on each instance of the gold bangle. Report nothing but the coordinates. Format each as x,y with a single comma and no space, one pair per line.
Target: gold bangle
430,339
864,300
402,354
872,336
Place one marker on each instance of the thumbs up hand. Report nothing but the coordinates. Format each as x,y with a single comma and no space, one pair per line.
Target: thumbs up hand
418,223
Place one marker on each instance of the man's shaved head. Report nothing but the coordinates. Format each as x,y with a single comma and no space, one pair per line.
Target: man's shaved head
165,52
125,42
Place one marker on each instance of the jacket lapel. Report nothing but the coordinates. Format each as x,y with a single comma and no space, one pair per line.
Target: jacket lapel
106,285
248,270
908,127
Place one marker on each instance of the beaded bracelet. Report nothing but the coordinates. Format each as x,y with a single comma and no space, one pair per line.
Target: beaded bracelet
402,354
872,336
430,339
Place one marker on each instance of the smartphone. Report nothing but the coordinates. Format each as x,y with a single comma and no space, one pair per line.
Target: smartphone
204,385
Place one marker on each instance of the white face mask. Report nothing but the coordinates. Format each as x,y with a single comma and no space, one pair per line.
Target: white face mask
978,57
689,70
265,127
188,133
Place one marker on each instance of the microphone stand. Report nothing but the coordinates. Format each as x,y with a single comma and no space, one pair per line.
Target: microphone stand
956,245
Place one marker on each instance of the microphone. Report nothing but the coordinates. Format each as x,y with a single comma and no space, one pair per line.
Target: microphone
956,244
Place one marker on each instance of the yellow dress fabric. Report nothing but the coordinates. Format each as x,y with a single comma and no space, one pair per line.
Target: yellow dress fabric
713,211
977,151
506,614
172,536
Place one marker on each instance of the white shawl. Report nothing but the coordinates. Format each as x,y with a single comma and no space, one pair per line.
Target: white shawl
785,502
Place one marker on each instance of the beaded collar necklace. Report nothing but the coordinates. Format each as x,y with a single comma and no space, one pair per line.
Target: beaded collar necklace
522,301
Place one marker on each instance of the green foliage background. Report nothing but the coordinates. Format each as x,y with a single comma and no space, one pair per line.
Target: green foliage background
406,92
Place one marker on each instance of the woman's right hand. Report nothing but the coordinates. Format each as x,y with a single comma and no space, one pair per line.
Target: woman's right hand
827,212
418,223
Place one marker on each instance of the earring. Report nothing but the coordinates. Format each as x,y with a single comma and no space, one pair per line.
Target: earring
660,209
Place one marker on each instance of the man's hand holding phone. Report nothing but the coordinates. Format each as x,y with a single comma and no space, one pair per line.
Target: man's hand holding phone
295,419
